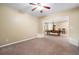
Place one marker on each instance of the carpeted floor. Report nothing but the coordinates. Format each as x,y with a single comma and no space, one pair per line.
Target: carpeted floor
49,45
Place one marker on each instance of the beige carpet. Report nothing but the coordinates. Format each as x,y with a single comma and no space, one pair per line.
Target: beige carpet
49,45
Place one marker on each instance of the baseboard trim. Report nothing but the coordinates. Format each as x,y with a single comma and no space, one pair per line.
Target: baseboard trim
17,42
74,41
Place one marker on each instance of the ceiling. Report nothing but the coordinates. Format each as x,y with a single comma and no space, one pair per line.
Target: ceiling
55,7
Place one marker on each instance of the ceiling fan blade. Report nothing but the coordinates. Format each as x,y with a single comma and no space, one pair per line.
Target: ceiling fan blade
46,7
34,9
32,4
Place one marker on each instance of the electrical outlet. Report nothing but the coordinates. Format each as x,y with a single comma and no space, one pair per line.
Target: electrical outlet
71,28
7,40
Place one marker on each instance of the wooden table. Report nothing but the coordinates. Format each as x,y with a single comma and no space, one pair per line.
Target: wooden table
53,31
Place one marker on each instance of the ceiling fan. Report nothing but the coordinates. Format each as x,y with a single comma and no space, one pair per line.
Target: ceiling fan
39,6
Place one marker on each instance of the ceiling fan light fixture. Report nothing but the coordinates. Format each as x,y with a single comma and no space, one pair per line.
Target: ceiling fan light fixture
40,7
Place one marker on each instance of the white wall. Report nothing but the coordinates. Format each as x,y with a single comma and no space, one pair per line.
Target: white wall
16,26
